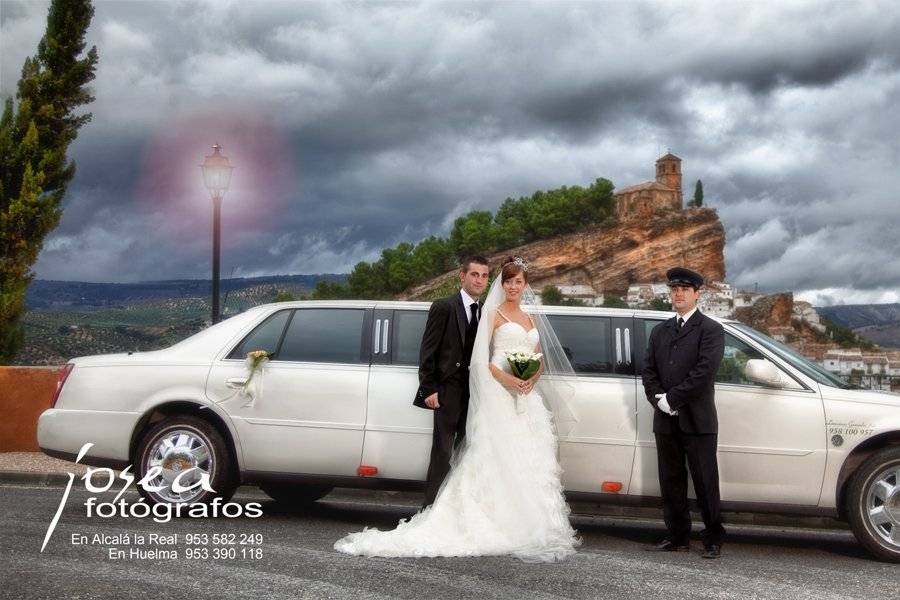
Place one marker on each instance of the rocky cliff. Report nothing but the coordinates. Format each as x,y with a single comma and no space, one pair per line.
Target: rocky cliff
611,259
774,311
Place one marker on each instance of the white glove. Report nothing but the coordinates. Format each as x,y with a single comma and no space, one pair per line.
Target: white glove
663,405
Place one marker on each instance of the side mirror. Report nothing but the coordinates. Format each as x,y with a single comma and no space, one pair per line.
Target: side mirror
760,370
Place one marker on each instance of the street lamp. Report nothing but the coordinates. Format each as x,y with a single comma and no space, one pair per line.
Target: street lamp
216,176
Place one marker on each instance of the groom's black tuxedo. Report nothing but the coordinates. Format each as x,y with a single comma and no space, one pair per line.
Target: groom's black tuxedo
444,358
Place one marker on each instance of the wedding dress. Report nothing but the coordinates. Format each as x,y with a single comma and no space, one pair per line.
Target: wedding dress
503,493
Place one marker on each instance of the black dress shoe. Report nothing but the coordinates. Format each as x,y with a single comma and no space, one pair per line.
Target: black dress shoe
668,545
711,551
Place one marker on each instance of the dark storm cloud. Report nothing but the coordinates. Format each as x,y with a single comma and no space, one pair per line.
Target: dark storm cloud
394,118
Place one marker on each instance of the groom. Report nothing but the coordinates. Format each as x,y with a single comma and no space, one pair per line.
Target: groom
683,356
444,358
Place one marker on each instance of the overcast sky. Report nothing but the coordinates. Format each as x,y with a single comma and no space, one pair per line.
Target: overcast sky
354,126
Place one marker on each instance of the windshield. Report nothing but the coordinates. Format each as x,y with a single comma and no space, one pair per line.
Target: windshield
799,362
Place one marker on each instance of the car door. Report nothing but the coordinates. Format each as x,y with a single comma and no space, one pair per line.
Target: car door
600,447
397,434
312,409
771,440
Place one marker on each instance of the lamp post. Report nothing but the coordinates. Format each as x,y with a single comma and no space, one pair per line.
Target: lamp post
216,176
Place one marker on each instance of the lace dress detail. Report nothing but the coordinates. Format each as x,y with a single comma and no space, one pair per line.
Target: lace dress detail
503,494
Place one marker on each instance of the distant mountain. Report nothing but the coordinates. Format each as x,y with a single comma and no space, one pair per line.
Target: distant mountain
861,315
62,295
878,323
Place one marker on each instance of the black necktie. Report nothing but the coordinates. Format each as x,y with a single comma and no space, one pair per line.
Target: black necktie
680,322
471,332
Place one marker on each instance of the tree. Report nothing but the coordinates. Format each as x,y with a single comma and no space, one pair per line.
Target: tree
551,296
518,221
698,195
614,302
325,290
35,133
660,304
473,234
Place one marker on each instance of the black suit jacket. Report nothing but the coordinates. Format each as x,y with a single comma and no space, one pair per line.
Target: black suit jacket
683,365
441,352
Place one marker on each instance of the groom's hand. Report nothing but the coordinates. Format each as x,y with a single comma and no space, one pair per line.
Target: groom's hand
432,401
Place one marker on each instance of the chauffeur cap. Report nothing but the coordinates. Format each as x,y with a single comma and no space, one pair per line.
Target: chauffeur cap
682,276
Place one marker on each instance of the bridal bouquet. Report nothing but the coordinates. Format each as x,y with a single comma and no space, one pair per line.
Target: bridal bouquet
523,366
253,388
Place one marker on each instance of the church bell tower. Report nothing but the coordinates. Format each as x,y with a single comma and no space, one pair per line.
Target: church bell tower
668,173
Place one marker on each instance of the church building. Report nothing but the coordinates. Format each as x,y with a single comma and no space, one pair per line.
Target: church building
651,197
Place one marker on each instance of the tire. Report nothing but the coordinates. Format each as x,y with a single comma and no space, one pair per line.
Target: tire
295,495
179,443
873,505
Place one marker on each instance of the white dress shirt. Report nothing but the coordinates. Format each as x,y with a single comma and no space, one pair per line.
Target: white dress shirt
687,315
467,302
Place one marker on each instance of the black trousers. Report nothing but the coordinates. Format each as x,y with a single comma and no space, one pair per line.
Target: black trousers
449,432
700,452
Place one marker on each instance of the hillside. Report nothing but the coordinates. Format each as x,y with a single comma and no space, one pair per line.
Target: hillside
878,323
62,295
99,318
611,258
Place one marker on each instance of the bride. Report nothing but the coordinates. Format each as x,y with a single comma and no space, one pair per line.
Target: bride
503,494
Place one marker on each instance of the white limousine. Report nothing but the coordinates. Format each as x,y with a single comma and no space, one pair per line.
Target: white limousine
336,410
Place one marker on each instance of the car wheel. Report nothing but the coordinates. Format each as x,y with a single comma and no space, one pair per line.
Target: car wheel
294,495
874,504
180,443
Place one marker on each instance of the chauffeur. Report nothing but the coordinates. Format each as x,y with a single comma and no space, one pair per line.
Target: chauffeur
679,375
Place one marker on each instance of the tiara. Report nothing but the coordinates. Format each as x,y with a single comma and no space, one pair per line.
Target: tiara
519,262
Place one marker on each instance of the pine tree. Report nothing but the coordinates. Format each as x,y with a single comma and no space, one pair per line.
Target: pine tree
698,195
35,133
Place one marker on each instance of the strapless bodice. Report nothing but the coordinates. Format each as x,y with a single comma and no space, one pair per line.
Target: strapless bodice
512,337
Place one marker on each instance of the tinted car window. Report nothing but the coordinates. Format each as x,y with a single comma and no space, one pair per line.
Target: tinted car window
586,341
736,355
264,337
407,336
648,329
324,335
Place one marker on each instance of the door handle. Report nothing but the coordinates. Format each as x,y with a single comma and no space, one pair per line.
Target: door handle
618,346
236,382
627,346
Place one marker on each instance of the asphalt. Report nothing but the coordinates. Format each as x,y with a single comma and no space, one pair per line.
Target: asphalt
287,553
38,469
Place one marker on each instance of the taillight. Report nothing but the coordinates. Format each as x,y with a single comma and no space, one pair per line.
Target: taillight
59,382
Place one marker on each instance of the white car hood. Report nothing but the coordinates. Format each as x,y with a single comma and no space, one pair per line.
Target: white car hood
862,396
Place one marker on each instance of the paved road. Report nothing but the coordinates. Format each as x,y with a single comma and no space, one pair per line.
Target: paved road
296,559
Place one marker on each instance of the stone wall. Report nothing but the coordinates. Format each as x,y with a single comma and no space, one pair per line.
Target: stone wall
25,392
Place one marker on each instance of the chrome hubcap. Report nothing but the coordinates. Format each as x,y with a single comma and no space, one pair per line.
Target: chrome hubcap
883,505
175,452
